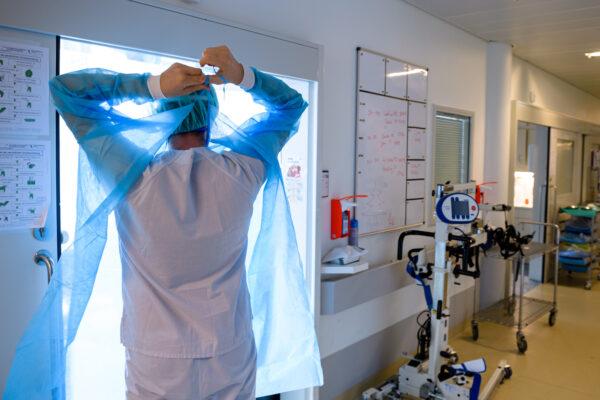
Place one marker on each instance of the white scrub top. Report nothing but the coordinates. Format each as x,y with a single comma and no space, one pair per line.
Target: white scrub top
183,238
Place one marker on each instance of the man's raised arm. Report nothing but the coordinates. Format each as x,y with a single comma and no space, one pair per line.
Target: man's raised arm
283,105
85,99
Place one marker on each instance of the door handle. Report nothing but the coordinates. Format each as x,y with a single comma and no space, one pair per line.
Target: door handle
44,258
554,189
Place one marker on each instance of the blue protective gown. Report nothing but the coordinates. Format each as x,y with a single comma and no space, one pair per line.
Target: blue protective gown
115,152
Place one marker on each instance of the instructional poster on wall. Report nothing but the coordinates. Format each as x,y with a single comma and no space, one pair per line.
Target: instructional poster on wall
524,183
24,93
25,190
294,186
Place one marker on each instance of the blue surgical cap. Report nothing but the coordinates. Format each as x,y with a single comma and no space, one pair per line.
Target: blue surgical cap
204,111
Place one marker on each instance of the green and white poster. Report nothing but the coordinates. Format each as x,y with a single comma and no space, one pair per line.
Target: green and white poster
24,183
24,94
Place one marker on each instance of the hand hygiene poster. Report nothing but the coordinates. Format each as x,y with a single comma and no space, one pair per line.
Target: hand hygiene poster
24,183
24,94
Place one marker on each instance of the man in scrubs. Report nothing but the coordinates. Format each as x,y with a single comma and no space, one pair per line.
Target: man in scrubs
183,229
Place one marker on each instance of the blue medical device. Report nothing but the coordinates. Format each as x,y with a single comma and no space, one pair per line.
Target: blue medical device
457,208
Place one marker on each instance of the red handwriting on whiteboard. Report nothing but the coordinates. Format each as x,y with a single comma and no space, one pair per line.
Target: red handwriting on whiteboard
394,165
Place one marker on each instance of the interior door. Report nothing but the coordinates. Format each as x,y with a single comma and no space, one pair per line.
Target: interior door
591,171
532,156
27,181
564,172
564,179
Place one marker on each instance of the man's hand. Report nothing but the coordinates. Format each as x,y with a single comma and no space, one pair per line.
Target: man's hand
180,80
229,67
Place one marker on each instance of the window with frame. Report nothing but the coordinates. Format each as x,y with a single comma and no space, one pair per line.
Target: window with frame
97,339
452,148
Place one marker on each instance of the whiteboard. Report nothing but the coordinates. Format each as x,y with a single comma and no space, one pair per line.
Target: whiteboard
371,72
414,212
395,78
415,189
417,85
391,142
416,169
417,143
381,161
417,115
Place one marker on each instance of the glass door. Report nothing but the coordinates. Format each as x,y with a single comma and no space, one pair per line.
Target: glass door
591,169
564,173
564,178
532,156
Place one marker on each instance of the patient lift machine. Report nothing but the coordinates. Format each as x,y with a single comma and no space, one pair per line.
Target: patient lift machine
434,372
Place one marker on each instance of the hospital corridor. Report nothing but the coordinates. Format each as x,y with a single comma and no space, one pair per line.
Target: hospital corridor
299,200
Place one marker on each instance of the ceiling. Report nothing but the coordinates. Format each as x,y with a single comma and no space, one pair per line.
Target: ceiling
552,34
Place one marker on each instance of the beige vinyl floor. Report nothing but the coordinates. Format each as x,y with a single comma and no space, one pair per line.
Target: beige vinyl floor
562,362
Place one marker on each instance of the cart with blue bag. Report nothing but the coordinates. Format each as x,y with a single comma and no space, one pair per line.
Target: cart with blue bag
579,241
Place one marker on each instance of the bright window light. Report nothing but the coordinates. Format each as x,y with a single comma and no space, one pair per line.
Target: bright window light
409,72
593,54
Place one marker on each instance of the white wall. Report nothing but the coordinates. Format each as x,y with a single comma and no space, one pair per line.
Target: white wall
552,93
457,63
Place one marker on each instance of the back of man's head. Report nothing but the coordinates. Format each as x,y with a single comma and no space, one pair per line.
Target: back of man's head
204,111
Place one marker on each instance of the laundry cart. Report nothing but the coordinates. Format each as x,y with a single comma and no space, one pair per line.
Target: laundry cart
579,248
517,309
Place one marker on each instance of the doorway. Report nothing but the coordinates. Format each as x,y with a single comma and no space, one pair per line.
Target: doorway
98,335
555,157
564,170
532,156
591,169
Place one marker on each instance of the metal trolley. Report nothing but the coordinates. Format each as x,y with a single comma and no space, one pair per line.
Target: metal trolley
594,265
529,309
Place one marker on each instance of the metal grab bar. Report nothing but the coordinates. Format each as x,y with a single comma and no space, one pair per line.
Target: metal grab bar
555,226
44,257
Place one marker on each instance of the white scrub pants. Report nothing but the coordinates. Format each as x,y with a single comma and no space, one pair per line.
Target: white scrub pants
226,377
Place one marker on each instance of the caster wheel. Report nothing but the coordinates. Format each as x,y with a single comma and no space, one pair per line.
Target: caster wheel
588,285
521,344
510,309
454,358
507,373
552,318
474,330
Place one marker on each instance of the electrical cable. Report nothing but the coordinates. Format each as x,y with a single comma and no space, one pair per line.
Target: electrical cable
423,335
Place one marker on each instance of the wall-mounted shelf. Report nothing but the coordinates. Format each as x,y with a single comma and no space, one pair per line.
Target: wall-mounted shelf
339,293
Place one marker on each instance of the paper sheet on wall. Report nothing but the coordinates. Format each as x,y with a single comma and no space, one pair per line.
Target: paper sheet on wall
524,183
292,179
24,97
25,190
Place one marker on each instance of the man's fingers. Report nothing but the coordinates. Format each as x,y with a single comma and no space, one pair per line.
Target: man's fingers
195,88
215,79
192,71
194,80
210,58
